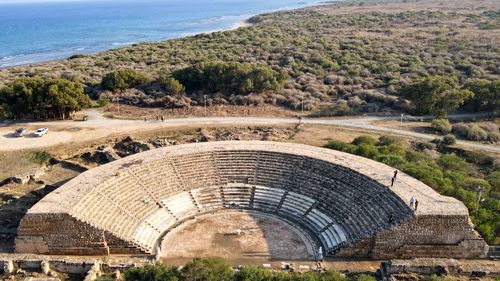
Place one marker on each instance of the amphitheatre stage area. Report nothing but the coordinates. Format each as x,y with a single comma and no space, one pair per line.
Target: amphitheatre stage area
247,200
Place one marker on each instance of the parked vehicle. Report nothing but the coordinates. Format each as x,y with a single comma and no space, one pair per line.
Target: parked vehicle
20,132
41,132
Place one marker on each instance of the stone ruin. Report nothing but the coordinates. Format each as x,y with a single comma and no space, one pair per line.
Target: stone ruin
344,202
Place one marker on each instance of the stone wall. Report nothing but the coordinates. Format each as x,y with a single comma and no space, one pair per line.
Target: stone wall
61,234
424,236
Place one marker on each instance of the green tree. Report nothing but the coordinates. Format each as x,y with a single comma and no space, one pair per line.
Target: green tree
123,79
436,94
40,98
171,85
231,78
65,97
158,272
486,95
209,269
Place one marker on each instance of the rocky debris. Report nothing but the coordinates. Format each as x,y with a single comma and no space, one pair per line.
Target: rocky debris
94,272
273,134
128,146
226,136
103,154
417,268
203,136
31,176
8,267
162,142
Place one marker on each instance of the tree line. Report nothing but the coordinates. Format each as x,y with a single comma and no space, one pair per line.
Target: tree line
42,98
211,77
217,269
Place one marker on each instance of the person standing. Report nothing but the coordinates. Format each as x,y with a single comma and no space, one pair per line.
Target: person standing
394,178
416,205
412,201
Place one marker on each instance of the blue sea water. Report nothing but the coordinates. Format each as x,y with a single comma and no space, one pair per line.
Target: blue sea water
37,32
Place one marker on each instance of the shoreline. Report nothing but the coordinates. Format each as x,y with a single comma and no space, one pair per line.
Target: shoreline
240,24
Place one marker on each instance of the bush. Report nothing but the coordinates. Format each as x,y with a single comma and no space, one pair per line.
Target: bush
449,139
460,129
388,140
367,150
209,269
41,157
443,126
489,127
101,102
341,146
475,133
171,85
364,140
158,272
493,137
123,79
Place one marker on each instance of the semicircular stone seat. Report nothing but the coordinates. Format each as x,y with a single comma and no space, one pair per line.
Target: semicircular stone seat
340,200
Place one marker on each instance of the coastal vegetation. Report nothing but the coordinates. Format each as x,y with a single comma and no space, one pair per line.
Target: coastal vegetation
450,171
42,98
334,60
217,269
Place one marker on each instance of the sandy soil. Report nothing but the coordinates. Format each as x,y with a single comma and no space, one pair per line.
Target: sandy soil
263,238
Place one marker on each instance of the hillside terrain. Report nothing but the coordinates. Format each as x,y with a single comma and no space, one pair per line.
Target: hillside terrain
336,59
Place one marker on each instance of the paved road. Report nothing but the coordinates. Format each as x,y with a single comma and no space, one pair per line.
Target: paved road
99,126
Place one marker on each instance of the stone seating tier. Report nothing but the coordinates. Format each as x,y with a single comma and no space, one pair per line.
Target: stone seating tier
141,197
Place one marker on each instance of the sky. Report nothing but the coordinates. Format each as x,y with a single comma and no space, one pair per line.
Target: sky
35,1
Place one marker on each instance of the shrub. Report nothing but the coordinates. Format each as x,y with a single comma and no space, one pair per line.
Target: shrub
209,269
341,146
494,180
441,125
364,140
476,133
123,79
338,109
40,157
367,150
365,277
489,127
171,85
391,160
101,102
494,137
460,129
387,140
449,139
158,272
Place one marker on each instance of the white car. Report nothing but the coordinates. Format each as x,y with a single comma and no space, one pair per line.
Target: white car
20,132
40,132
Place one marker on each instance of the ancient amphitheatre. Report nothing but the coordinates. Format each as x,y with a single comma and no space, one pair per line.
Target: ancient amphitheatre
342,203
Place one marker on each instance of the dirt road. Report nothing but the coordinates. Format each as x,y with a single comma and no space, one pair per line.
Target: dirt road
99,127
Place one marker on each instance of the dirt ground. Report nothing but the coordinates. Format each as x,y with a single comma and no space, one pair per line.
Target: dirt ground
262,238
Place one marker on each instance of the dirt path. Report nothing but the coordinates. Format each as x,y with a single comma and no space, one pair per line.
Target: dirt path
98,127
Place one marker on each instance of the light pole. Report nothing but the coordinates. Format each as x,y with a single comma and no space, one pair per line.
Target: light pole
302,103
205,99
480,191
118,104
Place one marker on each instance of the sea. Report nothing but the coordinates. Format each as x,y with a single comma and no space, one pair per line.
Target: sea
39,31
